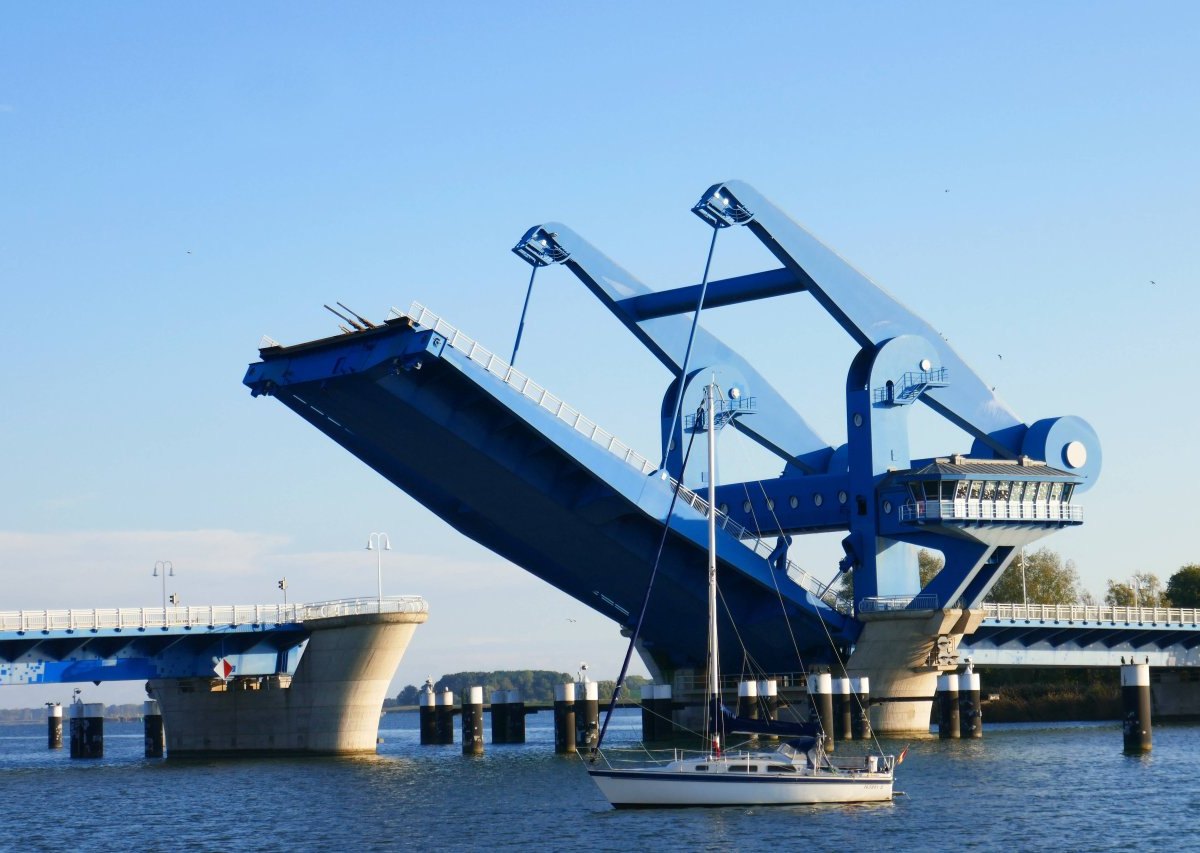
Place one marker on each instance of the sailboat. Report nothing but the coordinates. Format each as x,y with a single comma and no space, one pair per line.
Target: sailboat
797,772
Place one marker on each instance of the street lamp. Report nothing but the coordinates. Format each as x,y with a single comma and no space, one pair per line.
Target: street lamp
168,568
1024,593
379,542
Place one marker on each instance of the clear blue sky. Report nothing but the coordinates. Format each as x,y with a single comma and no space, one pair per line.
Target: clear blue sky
179,179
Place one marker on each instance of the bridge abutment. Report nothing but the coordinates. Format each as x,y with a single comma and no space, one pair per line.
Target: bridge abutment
903,652
331,705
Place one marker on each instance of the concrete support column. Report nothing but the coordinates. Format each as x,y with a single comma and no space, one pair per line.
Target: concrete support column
948,718
472,722
970,716
564,718
500,712
428,715
843,710
649,713
820,697
860,723
664,721
747,705
87,730
587,714
768,693
152,726
1135,699
516,717
54,726
444,717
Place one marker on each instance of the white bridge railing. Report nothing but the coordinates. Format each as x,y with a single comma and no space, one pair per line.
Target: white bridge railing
967,510
135,618
1094,613
508,374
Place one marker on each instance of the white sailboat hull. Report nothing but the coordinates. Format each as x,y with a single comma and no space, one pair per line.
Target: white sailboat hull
648,787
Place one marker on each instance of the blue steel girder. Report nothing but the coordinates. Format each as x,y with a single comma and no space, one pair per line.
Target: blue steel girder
871,316
779,427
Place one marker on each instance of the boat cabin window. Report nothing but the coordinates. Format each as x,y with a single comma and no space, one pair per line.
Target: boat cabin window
931,490
700,768
960,490
1055,491
1018,489
780,768
989,490
742,768
1068,488
976,487
1002,490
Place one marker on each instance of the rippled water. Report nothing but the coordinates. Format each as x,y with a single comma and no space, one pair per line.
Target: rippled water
1023,787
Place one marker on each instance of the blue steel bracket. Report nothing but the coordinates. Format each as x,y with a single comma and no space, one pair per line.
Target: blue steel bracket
871,316
779,428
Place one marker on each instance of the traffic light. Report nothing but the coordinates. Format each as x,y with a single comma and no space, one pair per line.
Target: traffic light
174,599
283,583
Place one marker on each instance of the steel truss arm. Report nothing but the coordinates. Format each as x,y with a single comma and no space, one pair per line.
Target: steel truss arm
657,322
868,313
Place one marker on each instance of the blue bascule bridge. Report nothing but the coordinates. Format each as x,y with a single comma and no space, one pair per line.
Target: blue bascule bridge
507,463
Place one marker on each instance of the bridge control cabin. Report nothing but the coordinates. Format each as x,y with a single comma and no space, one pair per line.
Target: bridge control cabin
987,491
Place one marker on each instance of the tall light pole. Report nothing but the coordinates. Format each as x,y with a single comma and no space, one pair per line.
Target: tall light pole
379,542
168,568
1024,593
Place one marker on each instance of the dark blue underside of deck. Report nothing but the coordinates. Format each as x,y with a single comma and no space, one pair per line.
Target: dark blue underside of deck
511,476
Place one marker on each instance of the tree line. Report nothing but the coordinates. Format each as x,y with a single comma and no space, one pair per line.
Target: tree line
1043,577
536,685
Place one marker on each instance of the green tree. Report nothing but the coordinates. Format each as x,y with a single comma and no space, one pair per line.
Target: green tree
1149,591
929,563
1047,580
1183,587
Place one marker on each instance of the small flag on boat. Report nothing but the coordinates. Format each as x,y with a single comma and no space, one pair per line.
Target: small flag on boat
903,752
223,668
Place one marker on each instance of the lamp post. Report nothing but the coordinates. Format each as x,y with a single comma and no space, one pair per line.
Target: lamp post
379,542
167,568
1024,593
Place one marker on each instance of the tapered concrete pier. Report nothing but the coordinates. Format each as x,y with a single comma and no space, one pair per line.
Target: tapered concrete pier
330,706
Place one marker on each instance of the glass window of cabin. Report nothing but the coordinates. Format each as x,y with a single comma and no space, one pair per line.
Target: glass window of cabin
1055,491
915,494
931,490
1018,491
960,490
976,488
1068,490
1002,489
1042,490
948,487
989,490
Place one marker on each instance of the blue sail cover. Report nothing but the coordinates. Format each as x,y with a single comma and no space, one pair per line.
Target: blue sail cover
726,722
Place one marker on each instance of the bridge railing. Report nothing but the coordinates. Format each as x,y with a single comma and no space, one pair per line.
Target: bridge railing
967,510
889,603
1093,613
508,374
233,615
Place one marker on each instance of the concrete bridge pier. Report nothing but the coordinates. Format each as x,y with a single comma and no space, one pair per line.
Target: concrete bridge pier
902,652
330,706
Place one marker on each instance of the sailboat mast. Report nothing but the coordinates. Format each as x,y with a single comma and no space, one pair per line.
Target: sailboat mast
713,669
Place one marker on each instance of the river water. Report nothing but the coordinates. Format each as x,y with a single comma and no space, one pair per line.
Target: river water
1062,787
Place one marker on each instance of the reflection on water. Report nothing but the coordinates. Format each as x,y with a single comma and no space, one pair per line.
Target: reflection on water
1023,787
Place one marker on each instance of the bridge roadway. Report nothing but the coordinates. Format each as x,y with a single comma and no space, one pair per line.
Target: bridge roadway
65,646
128,644
1084,636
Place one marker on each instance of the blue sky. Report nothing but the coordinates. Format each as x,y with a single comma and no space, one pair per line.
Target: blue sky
179,179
